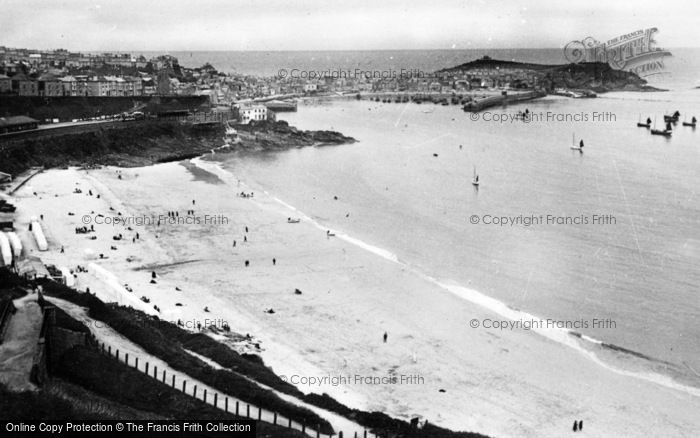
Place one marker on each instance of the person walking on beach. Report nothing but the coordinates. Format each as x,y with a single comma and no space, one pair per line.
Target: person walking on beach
274,262
234,243
580,425
580,144
575,426
246,229
386,335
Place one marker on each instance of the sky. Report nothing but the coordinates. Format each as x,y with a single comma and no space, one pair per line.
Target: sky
172,25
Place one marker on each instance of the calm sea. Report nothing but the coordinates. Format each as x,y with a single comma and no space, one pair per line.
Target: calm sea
640,269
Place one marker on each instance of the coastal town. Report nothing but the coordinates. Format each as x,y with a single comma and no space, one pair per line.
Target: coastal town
60,73
128,81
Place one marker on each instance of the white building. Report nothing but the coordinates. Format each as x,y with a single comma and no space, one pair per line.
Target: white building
252,112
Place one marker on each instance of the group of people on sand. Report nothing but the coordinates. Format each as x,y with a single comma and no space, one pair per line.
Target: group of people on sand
79,191
84,229
246,195
578,425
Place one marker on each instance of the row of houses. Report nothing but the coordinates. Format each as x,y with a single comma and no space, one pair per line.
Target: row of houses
63,57
52,86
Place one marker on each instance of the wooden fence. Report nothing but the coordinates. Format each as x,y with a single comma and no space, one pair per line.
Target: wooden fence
223,402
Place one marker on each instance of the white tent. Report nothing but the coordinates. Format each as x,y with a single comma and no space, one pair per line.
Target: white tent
39,236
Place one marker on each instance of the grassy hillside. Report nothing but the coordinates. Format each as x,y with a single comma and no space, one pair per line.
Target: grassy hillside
137,327
168,341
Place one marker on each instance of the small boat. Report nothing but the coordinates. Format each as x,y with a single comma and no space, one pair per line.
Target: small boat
293,221
692,122
672,118
666,132
475,178
644,125
573,144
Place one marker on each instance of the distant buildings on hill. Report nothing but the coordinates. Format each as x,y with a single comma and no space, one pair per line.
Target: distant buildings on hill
59,73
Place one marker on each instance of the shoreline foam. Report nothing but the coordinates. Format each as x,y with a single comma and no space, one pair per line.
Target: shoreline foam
515,384
563,336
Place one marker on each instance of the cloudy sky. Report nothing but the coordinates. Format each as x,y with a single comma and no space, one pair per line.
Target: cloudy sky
131,25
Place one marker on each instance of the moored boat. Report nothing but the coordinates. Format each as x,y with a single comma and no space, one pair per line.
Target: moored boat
644,125
666,132
672,118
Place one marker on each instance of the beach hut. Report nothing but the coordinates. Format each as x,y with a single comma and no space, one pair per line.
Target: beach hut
39,236
15,243
5,250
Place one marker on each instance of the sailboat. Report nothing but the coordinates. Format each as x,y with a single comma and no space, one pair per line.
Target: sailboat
643,125
672,118
573,144
666,132
692,122
475,178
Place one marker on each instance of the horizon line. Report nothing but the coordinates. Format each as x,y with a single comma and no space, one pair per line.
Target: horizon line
311,50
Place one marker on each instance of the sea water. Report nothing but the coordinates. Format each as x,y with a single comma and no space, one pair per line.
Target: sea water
610,235
635,268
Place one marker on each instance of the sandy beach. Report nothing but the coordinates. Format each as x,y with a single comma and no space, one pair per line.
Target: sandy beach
501,383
